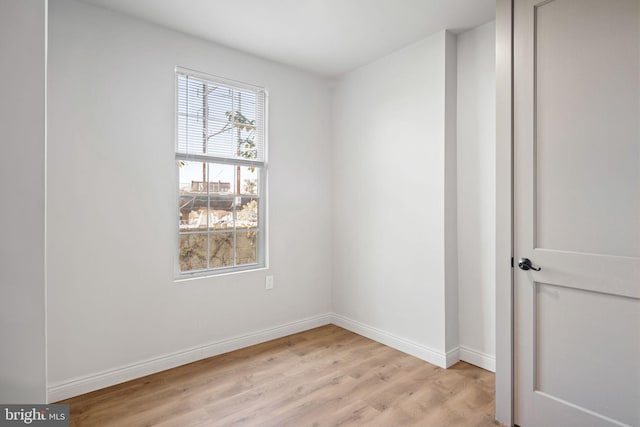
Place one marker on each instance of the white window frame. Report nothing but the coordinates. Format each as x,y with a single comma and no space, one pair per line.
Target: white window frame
262,261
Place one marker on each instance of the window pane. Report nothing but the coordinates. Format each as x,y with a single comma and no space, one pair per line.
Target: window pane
193,252
193,195
245,104
221,217
221,178
247,214
249,180
218,119
221,140
245,140
246,247
221,187
220,104
221,250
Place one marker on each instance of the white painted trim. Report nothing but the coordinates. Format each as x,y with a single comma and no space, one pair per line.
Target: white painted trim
478,358
453,357
45,187
81,385
504,212
443,360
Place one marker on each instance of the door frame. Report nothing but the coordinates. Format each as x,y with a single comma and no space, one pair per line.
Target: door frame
504,212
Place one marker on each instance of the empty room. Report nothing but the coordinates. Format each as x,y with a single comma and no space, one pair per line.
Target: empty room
320,212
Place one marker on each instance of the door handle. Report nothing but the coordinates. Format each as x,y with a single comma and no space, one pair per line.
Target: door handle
525,264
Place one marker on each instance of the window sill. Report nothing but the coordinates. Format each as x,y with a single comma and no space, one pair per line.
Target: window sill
212,275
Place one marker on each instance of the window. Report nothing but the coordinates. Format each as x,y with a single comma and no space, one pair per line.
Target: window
220,156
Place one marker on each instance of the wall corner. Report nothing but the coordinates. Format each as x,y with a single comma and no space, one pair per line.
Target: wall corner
450,192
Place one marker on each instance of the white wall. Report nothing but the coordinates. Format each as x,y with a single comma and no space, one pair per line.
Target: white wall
476,194
389,199
414,173
22,191
112,299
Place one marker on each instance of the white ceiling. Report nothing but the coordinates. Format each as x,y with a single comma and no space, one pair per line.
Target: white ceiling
326,37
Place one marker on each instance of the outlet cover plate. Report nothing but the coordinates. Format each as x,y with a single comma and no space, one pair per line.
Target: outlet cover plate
268,282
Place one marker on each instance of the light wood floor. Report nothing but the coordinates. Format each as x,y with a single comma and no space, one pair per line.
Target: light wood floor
323,377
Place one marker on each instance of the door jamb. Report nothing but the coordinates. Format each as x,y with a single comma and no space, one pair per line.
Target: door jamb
504,213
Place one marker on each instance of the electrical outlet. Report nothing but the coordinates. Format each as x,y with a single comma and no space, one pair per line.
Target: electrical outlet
268,282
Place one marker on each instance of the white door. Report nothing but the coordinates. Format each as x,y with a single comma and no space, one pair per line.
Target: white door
577,212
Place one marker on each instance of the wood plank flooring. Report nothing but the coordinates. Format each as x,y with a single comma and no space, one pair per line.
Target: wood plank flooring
323,377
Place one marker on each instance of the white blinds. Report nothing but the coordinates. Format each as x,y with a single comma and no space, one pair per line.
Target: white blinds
219,121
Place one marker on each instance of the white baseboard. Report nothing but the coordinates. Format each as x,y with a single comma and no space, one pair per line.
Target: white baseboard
86,384
453,357
478,358
443,360
77,386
